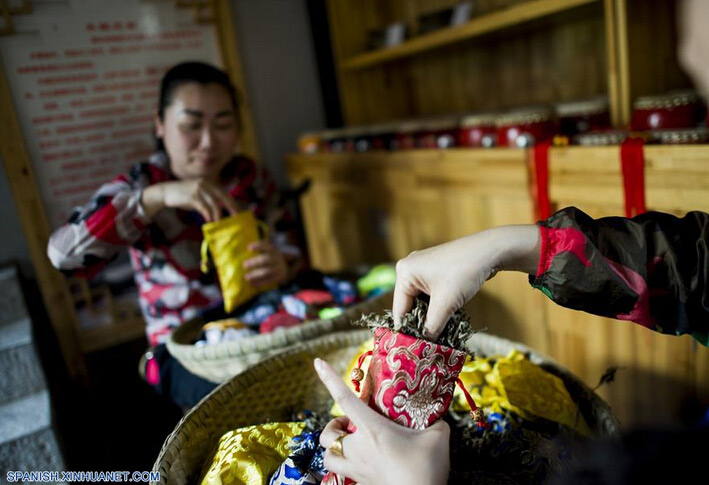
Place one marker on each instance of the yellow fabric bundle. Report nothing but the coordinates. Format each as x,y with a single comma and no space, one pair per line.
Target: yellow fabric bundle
224,324
228,242
515,384
336,410
250,455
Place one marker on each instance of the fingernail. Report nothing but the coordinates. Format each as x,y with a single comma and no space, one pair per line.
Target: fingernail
318,365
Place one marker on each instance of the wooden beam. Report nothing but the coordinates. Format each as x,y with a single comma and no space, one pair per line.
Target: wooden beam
229,47
621,14
36,229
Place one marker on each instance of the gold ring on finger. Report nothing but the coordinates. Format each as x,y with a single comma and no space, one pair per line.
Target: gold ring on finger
336,446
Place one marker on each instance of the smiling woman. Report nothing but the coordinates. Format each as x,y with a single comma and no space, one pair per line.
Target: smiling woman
157,211
197,121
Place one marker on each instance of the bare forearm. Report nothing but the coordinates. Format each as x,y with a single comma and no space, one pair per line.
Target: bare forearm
520,246
153,200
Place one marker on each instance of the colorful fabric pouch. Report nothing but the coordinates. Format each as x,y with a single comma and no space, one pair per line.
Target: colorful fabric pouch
250,455
227,240
305,464
515,384
410,380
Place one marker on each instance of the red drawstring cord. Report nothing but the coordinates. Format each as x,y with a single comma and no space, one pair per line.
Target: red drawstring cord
475,412
357,373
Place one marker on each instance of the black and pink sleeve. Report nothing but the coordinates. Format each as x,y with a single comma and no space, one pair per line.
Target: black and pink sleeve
652,269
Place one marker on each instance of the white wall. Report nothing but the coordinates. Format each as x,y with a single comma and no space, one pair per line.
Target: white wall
281,75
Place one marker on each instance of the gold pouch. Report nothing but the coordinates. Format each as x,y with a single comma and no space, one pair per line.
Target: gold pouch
227,240
336,411
250,455
515,384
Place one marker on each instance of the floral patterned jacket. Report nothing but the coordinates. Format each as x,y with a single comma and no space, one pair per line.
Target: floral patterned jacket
164,251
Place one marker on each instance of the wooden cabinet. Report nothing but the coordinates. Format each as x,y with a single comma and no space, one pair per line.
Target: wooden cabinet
661,373
511,53
377,207
417,199
404,201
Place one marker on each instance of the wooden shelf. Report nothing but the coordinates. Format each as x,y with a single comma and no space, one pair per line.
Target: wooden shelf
104,336
525,12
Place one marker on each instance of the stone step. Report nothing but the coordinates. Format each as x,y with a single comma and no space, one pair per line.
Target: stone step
38,451
24,416
20,369
12,303
15,333
21,373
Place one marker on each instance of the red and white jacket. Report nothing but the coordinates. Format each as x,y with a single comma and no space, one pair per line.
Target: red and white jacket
164,251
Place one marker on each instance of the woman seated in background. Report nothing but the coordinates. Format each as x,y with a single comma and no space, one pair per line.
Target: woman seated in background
158,208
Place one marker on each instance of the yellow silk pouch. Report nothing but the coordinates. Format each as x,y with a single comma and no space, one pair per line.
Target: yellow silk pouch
227,240
518,385
336,411
250,455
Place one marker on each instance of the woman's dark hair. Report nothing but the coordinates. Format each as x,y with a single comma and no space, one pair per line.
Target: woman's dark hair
192,72
187,73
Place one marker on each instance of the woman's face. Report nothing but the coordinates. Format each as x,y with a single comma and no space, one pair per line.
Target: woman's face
199,131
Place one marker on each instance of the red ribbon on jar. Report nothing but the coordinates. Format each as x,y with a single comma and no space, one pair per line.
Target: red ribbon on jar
540,177
632,163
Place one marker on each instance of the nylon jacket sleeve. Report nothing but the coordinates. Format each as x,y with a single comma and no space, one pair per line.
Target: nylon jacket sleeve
652,269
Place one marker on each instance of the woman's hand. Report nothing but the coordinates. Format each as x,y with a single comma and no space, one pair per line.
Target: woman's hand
381,451
200,195
268,268
452,273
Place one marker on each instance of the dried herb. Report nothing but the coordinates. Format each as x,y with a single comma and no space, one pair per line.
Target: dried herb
313,421
608,376
456,332
525,452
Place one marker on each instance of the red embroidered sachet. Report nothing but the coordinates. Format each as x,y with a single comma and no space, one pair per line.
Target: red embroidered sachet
410,380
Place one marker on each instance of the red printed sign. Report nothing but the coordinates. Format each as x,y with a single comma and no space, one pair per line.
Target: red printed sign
85,76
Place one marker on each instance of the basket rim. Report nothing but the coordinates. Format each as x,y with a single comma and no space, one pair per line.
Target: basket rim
198,414
262,342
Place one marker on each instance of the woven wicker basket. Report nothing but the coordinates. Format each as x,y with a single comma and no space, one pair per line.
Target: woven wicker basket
219,362
272,390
